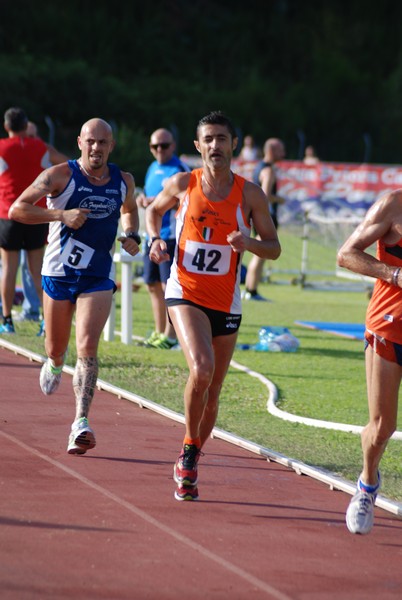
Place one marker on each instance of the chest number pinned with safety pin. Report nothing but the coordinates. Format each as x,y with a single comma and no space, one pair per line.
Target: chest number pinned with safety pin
76,254
206,258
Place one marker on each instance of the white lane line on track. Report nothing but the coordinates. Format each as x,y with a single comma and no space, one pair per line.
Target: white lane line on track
254,581
333,481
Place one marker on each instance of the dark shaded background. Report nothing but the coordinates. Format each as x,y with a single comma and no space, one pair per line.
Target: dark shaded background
314,72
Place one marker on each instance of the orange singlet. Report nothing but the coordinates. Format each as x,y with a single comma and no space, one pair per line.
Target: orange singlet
205,269
384,312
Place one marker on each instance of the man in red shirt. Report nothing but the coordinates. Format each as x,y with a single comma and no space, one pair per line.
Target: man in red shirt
22,158
31,305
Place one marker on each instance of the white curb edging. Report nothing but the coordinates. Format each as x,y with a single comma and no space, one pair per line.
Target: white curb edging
333,481
286,416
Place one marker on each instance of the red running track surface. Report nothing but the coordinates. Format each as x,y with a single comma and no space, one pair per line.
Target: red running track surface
106,525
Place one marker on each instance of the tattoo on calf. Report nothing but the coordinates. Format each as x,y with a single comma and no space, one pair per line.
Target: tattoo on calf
84,382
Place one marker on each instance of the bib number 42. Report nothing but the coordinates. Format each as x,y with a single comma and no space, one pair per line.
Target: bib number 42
206,259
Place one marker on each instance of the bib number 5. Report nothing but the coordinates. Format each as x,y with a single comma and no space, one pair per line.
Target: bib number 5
76,254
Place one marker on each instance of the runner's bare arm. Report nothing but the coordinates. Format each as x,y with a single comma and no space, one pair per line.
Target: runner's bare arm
50,182
129,217
173,190
168,198
382,221
256,208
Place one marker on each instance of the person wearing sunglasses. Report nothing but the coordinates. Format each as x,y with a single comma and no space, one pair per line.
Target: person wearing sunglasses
214,210
162,146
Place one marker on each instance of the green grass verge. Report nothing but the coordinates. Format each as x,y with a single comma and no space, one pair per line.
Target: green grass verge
324,379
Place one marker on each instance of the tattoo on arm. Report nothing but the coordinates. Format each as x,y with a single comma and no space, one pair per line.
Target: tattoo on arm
42,182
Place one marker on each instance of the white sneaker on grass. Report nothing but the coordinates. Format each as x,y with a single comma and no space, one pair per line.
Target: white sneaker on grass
50,377
360,512
255,296
82,437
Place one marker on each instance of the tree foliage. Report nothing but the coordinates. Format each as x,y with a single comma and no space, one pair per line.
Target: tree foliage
324,73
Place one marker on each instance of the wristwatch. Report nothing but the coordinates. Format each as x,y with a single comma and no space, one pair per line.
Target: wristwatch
134,236
153,239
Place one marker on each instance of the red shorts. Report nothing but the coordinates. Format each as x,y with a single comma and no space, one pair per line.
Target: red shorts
384,348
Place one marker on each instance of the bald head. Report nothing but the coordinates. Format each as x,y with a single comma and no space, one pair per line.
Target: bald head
96,143
162,133
274,149
99,126
162,145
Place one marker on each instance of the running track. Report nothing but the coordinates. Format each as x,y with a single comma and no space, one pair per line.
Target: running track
106,525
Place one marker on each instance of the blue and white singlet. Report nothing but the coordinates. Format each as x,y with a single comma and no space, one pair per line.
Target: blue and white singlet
89,249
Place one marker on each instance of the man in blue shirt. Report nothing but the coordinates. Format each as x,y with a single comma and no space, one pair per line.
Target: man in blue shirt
162,146
86,199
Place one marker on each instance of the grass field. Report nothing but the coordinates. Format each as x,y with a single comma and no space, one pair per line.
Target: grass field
324,379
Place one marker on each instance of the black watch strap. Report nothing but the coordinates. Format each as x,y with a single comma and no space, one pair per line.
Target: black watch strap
134,236
153,239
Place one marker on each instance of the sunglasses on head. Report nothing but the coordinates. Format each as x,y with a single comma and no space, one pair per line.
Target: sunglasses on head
163,146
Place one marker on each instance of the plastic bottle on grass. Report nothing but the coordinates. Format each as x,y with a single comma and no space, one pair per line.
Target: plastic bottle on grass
276,339
288,342
266,341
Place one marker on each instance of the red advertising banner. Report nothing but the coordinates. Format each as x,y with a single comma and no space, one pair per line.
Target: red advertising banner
344,189
327,189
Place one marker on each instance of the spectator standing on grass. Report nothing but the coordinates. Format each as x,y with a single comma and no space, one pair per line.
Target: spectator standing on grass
265,176
162,146
85,200
31,304
214,210
250,150
310,157
22,158
383,339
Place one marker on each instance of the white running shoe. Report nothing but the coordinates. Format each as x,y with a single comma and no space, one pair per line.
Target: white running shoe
256,297
82,437
360,512
49,378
